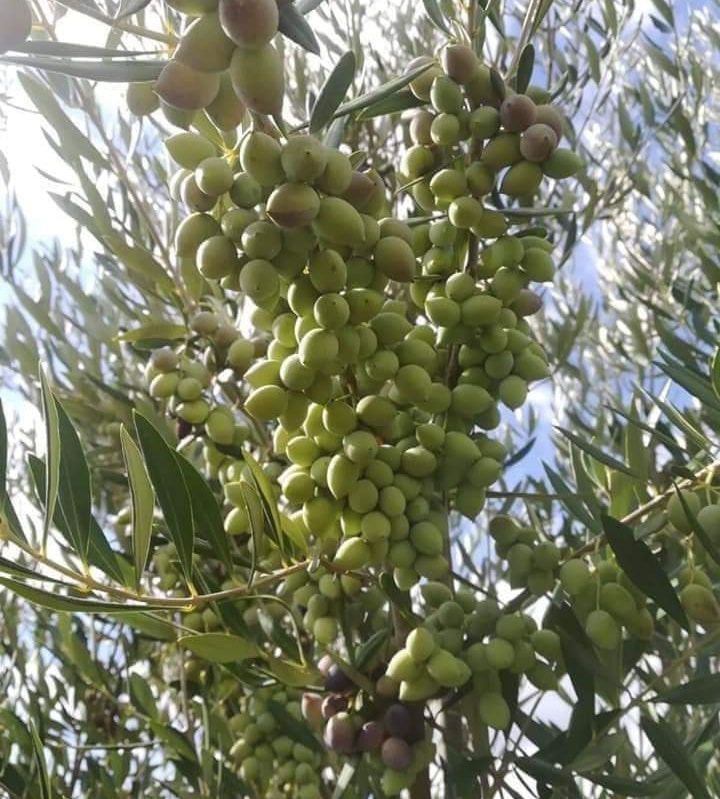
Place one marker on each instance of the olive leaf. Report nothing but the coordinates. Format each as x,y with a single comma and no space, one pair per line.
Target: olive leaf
642,567
294,25
52,453
333,91
142,500
170,488
220,647
671,748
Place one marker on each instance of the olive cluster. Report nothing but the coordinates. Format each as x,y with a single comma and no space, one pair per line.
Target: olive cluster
386,350
606,601
224,63
391,734
273,763
464,641
503,140
531,563
323,597
696,594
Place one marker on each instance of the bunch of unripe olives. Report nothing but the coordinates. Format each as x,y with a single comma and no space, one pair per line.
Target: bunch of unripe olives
274,764
365,361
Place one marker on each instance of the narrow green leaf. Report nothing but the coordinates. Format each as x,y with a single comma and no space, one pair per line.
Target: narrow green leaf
75,50
671,748
715,372
267,497
642,567
175,739
597,454
130,7
333,92
69,604
621,786
572,501
8,517
140,261
543,771
143,502
695,384
400,101
206,512
52,453
297,730
220,647
141,695
700,691
526,63
154,331
46,791
381,92
293,674
432,9
170,489
73,140
115,71
294,25
345,779
74,500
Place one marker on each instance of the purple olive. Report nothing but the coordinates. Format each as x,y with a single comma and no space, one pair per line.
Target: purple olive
396,754
397,720
370,737
333,704
336,680
339,734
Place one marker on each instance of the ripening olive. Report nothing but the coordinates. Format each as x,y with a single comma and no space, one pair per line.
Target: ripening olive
258,79
517,113
185,88
204,45
293,205
249,23
537,142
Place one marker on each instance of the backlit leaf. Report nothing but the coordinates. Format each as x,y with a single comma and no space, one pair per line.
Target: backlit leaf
333,92
642,567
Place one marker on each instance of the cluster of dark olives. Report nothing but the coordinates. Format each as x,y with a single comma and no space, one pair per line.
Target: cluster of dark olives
224,63
276,765
392,735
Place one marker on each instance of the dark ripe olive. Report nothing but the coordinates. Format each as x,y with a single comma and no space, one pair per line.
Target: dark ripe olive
527,303
332,705
517,113
339,734
537,142
549,115
370,736
336,680
397,720
396,754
